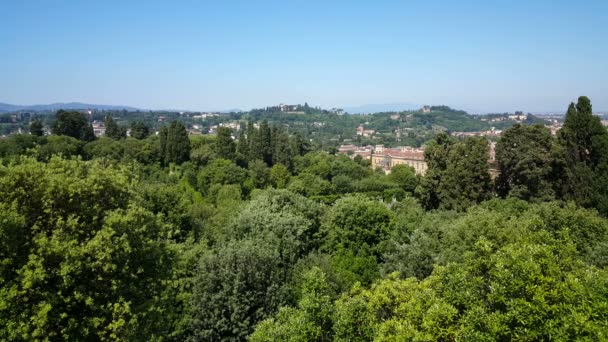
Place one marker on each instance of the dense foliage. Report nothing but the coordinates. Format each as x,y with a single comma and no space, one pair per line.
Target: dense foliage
260,235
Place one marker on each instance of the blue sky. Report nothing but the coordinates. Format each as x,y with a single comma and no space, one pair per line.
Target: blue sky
480,56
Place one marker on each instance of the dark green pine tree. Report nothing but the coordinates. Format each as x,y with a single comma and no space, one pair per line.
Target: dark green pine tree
73,124
224,145
264,142
282,148
525,156
299,145
253,143
174,143
182,143
113,130
584,157
36,128
163,134
87,134
242,146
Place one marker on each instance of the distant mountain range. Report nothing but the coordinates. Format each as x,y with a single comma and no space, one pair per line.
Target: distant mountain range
5,107
381,107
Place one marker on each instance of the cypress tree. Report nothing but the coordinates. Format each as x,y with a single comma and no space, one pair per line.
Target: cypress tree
242,147
163,135
584,157
174,143
87,133
282,148
113,130
264,144
182,143
36,128
254,146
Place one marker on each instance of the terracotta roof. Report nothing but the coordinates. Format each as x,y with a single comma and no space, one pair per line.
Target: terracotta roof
414,154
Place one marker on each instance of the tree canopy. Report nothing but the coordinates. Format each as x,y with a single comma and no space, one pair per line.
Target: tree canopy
73,124
166,236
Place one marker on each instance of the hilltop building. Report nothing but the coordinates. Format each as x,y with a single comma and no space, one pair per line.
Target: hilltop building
287,108
365,132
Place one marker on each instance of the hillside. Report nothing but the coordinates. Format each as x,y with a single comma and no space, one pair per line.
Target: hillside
7,108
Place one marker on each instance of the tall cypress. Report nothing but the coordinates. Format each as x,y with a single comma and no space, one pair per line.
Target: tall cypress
253,141
163,135
174,143
584,157
36,127
242,144
182,153
282,148
112,129
265,142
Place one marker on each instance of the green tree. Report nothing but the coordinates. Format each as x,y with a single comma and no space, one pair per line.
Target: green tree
18,144
458,173
103,147
36,128
259,174
394,310
311,320
263,143
145,151
279,176
299,145
59,145
73,124
113,130
83,262
139,130
354,232
405,177
220,171
357,223
224,146
242,147
237,286
282,152
525,156
584,143
252,142
310,185
174,143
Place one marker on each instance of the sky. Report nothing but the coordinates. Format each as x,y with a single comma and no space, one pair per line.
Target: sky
481,56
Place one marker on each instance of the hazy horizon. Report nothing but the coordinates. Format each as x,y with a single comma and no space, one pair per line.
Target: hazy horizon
475,56
368,108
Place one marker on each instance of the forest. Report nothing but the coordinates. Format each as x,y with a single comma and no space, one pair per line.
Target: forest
268,237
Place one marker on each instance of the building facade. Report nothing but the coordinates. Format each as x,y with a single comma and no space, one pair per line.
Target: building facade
387,158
